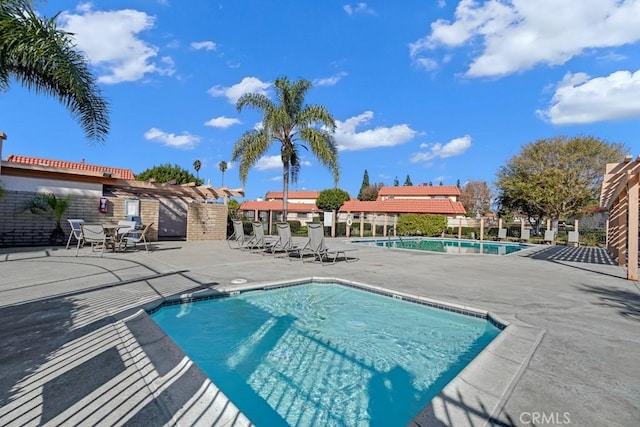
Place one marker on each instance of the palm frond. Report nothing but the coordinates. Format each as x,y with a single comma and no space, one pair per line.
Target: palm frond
250,147
44,59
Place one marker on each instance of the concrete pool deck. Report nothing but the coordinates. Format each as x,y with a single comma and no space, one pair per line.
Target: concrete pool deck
74,348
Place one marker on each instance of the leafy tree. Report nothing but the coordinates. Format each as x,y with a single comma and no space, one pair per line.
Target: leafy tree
51,207
168,173
396,183
197,165
407,181
458,183
223,168
332,199
556,177
441,183
365,184
38,55
291,123
476,196
371,192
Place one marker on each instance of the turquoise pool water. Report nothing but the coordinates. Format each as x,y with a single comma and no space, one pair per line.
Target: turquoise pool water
325,354
449,246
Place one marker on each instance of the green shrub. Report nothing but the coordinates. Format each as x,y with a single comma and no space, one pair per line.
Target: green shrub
421,224
294,225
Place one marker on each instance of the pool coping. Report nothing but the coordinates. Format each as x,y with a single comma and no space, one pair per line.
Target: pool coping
474,397
364,240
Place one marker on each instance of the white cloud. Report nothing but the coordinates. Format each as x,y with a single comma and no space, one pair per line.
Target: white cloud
330,81
247,85
269,163
581,99
111,43
206,45
222,122
358,8
517,35
184,141
348,139
455,147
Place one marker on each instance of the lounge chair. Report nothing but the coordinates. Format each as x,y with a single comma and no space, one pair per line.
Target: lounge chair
573,238
239,240
76,231
316,246
135,236
550,236
285,241
502,234
258,241
95,235
526,235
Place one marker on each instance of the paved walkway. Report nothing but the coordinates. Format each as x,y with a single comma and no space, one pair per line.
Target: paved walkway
75,349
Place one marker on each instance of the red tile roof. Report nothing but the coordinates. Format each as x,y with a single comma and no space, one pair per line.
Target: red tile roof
420,190
293,195
276,205
115,172
432,206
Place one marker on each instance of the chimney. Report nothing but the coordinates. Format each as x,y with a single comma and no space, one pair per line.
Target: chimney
3,136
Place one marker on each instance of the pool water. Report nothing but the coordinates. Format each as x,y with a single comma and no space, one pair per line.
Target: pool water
325,354
449,246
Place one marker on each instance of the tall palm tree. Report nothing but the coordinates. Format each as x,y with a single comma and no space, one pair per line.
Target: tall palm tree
290,123
41,57
223,168
197,165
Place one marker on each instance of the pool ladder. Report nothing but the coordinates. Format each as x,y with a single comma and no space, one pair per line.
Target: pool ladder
392,228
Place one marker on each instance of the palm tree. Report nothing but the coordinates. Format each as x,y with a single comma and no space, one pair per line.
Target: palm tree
291,123
51,207
197,165
41,57
223,168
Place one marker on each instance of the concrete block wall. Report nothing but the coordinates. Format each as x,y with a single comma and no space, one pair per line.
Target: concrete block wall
19,227
207,221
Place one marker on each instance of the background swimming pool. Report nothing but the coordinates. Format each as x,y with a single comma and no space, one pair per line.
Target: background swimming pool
450,246
325,354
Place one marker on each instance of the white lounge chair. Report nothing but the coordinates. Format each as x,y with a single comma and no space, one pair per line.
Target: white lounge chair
573,238
525,235
502,234
76,231
316,246
550,236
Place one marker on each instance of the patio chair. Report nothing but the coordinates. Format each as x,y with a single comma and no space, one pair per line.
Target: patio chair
526,235
76,231
135,236
95,235
317,247
259,242
285,241
239,240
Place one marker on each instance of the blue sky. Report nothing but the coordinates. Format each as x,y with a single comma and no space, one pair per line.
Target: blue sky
439,90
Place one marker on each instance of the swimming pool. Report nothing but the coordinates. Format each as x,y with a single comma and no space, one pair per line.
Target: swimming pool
324,353
449,246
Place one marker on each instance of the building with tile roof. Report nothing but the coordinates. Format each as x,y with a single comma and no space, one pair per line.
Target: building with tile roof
391,202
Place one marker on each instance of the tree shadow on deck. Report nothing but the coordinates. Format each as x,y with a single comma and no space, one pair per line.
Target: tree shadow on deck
625,301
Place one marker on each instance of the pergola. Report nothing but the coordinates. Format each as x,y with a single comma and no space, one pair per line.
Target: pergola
619,196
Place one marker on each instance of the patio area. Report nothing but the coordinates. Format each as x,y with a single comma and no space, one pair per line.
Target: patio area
75,348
